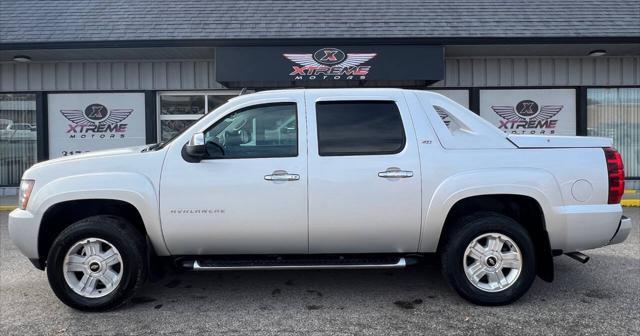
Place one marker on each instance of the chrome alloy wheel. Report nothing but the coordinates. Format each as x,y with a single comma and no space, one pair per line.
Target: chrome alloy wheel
93,268
492,262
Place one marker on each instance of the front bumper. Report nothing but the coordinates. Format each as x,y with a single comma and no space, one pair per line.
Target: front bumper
23,230
624,228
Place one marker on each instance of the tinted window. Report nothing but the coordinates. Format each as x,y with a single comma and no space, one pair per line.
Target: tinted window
359,128
269,130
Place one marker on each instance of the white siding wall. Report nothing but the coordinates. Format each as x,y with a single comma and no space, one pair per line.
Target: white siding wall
198,75
126,75
541,71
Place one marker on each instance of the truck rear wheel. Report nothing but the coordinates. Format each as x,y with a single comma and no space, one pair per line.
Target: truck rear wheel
489,259
97,263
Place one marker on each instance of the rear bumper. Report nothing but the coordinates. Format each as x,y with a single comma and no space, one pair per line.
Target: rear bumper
584,227
624,228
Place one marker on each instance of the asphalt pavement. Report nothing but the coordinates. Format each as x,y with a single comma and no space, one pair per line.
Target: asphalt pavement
599,298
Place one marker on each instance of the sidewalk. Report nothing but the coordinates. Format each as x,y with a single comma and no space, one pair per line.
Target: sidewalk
631,198
8,199
631,195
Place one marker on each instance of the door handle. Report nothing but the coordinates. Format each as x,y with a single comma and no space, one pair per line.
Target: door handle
280,175
395,173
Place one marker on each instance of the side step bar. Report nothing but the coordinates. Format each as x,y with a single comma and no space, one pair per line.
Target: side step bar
196,265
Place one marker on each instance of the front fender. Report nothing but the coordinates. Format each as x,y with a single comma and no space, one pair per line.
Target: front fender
133,188
535,183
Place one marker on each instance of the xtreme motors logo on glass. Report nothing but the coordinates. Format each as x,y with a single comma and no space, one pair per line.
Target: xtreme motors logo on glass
97,121
530,111
330,64
85,122
527,114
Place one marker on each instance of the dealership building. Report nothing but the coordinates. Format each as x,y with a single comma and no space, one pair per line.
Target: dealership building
79,76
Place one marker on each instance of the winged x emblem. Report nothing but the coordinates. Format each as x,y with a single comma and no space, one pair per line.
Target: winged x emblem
350,60
92,116
525,111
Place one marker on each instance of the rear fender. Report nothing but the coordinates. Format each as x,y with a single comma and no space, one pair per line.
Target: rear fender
535,183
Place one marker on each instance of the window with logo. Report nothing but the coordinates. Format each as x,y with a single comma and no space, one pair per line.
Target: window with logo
261,131
530,111
359,128
615,113
83,122
18,139
179,110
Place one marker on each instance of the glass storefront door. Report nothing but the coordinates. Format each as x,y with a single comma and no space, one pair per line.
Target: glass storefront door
18,139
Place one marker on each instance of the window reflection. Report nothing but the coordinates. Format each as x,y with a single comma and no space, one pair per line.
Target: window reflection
180,110
18,140
615,113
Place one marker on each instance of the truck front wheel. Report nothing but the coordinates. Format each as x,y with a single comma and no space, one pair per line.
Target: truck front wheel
97,263
489,259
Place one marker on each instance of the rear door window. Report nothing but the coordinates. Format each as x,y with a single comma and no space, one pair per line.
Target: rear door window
359,128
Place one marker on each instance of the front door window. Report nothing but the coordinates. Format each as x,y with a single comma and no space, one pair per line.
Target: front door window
262,131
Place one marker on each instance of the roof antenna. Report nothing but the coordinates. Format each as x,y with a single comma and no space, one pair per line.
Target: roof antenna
243,91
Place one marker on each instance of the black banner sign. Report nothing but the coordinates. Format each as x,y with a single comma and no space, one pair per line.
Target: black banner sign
308,64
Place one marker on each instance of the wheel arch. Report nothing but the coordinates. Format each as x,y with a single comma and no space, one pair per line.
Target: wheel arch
523,209
67,200
506,191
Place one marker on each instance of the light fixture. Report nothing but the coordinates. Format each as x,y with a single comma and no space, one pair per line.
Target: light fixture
22,58
597,52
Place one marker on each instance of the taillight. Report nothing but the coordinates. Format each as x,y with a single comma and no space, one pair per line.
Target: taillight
615,170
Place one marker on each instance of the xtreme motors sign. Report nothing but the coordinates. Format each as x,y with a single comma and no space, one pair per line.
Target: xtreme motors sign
530,111
309,65
97,120
84,122
330,64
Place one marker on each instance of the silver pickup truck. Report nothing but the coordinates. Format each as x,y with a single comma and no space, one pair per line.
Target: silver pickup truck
335,178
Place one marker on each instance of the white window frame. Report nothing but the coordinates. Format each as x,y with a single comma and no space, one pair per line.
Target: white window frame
162,117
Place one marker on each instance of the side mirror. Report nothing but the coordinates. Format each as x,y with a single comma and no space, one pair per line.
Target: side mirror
214,150
195,148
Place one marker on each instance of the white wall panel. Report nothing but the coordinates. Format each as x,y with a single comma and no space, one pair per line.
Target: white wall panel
104,76
542,71
48,76
107,75
118,76
77,76
90,79
146,75
520,71
200,74
35,76
22,82
132,75
63,76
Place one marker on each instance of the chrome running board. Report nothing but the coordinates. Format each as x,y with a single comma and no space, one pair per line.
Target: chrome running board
197,266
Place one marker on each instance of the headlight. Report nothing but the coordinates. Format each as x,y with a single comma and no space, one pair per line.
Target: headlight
25,192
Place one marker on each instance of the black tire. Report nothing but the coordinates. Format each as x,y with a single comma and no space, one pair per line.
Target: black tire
466,230
118,232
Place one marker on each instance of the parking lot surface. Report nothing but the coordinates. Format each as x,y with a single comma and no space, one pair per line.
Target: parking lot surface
599,298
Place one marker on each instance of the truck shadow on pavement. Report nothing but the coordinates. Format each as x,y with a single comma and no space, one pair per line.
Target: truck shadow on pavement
403,289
